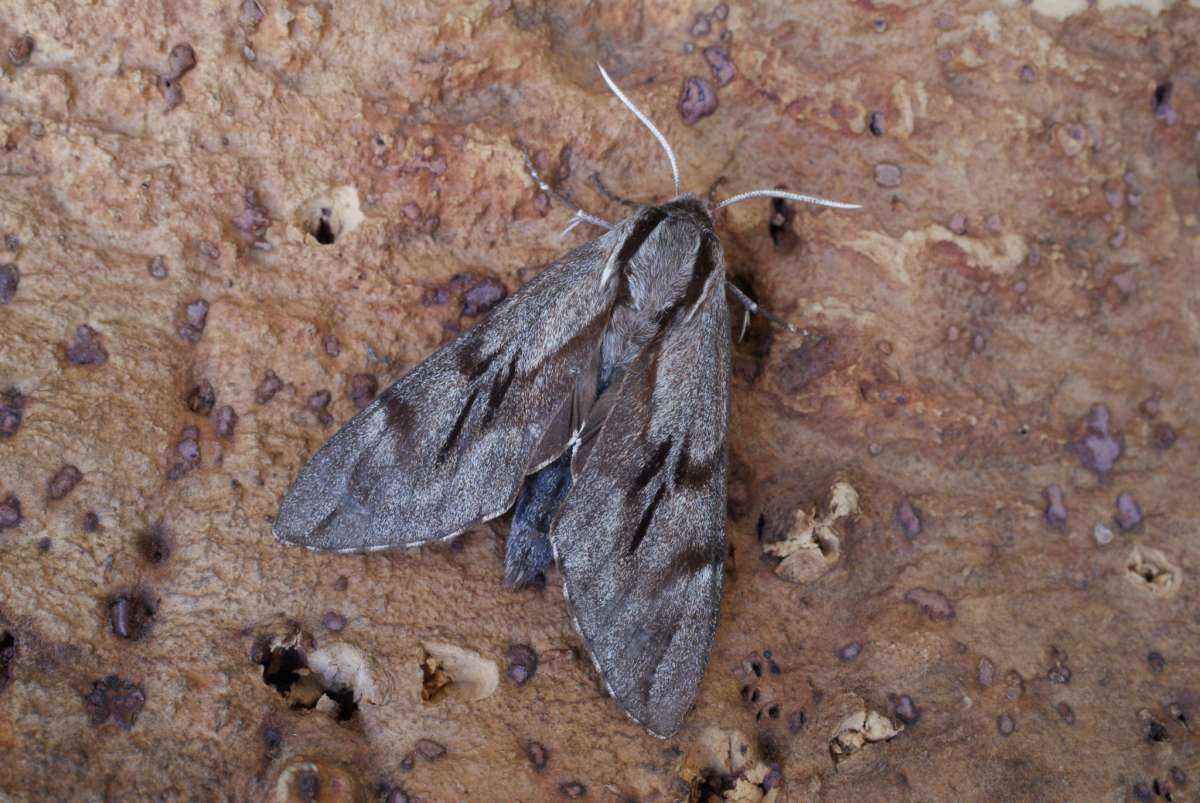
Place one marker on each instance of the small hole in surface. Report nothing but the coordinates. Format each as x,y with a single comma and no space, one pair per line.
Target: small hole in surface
780,222
1162,94
8,656
1157,732
323,231
282,668
286,670
344,698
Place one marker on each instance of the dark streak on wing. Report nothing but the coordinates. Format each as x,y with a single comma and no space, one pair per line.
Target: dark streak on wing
660,647
472,364
398,414
642,230
647,517
651,469
456,430
703,268
637,237
690,474
500,384
693,558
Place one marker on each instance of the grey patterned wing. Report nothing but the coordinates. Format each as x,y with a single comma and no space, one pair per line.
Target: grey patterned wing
640,539
447,445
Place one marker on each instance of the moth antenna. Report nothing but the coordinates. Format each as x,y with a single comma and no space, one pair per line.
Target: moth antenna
580,216
788,196
644,120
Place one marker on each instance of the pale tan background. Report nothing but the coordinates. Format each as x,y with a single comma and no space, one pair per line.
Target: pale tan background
1037,257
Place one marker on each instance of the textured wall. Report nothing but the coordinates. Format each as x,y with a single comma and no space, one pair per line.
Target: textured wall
963,527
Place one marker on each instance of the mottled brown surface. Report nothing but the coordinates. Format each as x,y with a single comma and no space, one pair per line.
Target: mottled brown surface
1027,251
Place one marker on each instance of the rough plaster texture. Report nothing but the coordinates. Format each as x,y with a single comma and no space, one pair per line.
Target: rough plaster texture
1013,333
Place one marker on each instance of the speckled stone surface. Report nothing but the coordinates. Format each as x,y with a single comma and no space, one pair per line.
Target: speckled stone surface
224,226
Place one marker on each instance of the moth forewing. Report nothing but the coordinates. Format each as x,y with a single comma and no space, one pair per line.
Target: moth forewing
640,539
448,445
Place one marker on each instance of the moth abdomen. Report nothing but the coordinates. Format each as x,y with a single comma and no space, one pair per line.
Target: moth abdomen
527,553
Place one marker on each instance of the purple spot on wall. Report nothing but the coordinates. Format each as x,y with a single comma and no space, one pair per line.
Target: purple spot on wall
718,61
113,698
429,750
933,604
522,663
907,711
63,482
131,614
1162,436
1129,513
268,387
12,410
253,218
10,512
909,518
1056,509
1100,448
201,398
10,279
319,403
227,419
538,755
195,316
482,297
363,388
887,175
87,348
698,99
875,124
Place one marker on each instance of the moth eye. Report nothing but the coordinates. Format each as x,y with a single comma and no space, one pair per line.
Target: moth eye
773,712
757,667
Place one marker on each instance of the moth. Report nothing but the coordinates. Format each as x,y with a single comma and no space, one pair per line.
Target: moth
594,403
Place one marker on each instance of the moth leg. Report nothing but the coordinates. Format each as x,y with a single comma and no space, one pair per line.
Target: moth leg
610,195
580,215
753,309
583,217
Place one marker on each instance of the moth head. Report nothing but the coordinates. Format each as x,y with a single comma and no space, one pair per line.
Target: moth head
745,196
